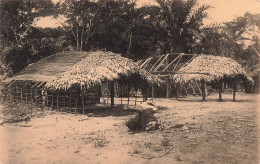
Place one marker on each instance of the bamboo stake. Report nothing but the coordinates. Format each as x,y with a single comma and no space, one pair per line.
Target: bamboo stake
121,95
112,92
135,97
152,91
26,92
47,98
234,90
203,90
128,91
70,102
21,91
57,98
167,79
52,99
83,102
219,91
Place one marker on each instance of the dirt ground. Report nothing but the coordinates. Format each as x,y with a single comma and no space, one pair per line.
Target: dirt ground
194,132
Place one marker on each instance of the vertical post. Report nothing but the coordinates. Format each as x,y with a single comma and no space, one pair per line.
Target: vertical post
21,91
26,92
203,90
52,99
47,98
31,91
167,80
220,91
135,97
152,91
128,93
234,90
57,98
70,94
83,102
112,93
121,95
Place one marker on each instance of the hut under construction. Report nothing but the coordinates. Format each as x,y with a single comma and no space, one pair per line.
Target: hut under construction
72,80
164,67
212,69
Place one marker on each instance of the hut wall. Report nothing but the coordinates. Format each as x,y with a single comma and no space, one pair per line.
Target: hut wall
24,91
29,91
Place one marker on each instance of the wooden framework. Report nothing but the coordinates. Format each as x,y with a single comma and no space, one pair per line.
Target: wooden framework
75,99
123,94
167,65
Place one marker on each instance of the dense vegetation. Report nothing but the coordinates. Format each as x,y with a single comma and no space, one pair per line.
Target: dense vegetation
119,26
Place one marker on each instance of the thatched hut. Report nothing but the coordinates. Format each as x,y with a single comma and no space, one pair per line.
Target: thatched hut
209,69
71,79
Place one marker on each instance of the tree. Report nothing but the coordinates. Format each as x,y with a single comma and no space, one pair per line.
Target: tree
82,17
180,19
17,19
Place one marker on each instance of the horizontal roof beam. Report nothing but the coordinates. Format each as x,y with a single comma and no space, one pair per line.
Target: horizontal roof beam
177,72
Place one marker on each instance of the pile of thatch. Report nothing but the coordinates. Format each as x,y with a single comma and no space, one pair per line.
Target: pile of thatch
211,68
97,67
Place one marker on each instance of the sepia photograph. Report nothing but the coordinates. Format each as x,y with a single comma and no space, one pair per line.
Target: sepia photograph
129,81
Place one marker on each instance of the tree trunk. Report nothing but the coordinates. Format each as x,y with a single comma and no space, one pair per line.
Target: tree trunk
203,94
82,39
112,94
129,45
78,42
220,91
234,90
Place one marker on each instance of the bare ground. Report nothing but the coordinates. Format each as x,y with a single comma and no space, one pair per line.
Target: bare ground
194,132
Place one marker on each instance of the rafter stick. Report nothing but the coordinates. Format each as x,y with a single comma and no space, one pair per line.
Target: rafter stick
189,60
159,65
171,63
41,84
139,62
156,63
180,56
11,83
146,62
35,84
198,86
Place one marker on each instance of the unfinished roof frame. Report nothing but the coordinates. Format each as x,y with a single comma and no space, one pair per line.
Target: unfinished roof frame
163,67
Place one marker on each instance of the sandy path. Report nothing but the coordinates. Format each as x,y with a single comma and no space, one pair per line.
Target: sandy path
212,132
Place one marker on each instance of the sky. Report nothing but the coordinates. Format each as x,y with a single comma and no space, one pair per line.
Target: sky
220,11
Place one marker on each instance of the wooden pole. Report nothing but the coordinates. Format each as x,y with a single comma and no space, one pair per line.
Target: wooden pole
47,98
234,90
152,91
220,91
112,93
70,95
26,92
121,95
57,98
128,92
167,80
83,102
203,90
135,97
31,91
21,91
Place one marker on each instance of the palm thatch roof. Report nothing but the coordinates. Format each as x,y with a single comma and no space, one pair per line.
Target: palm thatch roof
50,67
64,69
96,67
210,68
